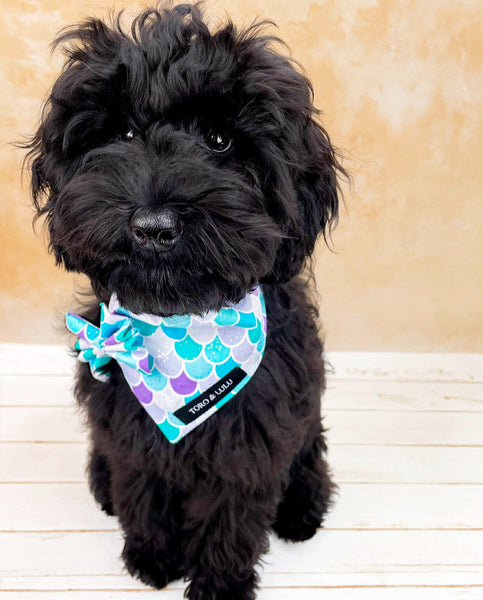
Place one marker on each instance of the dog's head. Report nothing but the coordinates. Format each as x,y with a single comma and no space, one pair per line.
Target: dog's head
178,167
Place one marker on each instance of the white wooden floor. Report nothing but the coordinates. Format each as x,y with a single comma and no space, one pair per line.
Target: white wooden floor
406,444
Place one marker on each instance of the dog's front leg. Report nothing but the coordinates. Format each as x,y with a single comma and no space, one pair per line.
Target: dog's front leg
228,537
308,495
149,513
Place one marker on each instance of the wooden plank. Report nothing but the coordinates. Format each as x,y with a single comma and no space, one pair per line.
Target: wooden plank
42,462
48,390
20,359
354,593
348,550
57,554
41,424
410,464
407,506
411,428
403,395
65,424
352,464
407,366
70,507
391,576
36,390
30,359
51,507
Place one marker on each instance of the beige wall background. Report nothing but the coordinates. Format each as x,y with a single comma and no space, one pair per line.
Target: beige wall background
400,83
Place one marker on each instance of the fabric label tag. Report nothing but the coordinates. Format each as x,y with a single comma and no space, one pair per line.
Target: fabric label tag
188,413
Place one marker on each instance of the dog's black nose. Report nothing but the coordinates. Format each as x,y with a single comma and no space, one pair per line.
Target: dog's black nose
157,229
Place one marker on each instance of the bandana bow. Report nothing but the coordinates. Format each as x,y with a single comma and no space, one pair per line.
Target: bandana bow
116,338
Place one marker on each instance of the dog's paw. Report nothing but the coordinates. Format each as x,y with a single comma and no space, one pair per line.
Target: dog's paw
296,531
149,565
294,524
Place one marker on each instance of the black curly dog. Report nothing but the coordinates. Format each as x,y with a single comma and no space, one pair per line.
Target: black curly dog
217,131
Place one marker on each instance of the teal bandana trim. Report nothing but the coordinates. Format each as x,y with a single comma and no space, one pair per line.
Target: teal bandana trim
182,368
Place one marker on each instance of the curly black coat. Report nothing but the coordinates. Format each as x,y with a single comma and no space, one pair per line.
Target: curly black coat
219,127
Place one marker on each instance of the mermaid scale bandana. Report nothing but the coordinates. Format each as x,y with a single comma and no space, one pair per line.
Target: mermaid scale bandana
182,368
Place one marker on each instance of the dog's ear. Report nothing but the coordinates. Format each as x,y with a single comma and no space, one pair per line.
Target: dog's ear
43,197
71,117
316,197
40,166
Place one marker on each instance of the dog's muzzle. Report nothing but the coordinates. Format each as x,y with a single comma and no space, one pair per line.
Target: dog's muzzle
156,229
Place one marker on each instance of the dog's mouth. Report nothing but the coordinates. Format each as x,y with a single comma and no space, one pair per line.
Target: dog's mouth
165,291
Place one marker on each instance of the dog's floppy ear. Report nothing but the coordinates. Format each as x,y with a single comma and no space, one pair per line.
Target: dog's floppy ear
316,191
43,185
70,115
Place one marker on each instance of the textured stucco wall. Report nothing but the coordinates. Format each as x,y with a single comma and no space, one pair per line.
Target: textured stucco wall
400,84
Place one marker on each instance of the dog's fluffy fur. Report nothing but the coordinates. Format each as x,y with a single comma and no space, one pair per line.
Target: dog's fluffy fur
201,509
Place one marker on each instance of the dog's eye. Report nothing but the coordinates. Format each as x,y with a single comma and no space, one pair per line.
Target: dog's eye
127,136
217,141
